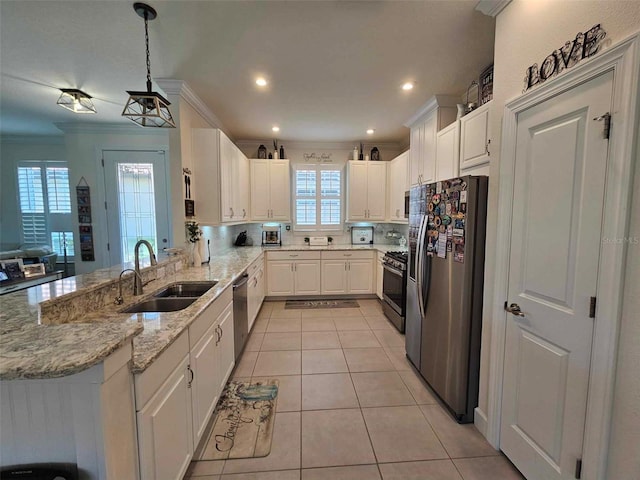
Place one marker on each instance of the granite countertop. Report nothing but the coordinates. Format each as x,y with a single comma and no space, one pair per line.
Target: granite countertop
31,349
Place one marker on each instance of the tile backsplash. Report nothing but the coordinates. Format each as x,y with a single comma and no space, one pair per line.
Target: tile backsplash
224,236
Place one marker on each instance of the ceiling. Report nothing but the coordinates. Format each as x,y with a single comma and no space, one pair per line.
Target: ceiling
334,68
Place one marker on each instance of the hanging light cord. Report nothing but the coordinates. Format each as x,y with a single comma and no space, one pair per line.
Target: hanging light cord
146,39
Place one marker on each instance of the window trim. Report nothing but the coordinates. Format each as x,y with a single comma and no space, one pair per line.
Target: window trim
318,167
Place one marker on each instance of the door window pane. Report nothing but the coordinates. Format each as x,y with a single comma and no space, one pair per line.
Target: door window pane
136,207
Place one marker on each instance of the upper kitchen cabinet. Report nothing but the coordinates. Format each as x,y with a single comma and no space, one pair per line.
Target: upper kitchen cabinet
474,138
398,185
270,190
366,191
220,178
439,112
447,152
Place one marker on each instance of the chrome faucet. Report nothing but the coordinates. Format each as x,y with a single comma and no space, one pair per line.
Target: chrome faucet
137,286
119,300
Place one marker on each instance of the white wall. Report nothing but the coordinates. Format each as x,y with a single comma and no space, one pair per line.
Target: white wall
14,149
84,150
526,32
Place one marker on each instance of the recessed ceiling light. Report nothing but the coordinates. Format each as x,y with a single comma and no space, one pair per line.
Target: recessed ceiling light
407,86
276,129
370,131
261,82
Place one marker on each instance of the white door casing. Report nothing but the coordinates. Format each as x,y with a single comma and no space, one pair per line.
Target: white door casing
624,60
561,158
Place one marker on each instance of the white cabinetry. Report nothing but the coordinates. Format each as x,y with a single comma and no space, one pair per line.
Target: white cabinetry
379,274
436,114
347,272
366,190
447,152
220,178
474,138
293,273
397,176
174,408
270,190
255,289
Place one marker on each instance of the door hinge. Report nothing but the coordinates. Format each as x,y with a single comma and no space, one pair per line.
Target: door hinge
105,205
578,467
592,307
607,124
103,162
108,247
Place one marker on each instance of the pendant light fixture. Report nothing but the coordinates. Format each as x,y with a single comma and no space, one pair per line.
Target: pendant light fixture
148,109
76,100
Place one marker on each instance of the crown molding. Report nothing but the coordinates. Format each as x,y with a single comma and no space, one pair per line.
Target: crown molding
433,103
301,145
492,8
108,128
183,90
32,139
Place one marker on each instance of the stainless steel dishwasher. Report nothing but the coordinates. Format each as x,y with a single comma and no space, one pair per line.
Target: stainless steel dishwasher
240,314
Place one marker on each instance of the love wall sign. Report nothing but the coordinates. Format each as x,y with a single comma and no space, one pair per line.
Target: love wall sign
585,45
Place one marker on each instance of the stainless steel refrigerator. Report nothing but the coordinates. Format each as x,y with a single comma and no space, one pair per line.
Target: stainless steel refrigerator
447,223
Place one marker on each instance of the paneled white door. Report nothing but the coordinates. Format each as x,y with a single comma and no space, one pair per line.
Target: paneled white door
560,169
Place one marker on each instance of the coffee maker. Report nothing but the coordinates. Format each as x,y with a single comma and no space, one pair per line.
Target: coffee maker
271,236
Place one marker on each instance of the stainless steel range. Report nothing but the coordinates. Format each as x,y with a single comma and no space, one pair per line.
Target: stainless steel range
394,287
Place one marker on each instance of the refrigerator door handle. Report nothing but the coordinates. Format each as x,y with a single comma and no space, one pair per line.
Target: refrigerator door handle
420,256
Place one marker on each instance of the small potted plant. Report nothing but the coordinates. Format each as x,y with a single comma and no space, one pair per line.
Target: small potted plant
193,236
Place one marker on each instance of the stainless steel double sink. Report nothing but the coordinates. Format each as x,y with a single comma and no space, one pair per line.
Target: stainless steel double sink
173,297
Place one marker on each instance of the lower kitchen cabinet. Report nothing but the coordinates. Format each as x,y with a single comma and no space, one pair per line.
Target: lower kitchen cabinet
347,272
255,289
173,409
293,273
379,274
165,441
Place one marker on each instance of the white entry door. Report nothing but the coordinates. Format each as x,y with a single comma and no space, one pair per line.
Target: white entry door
560,167
137,198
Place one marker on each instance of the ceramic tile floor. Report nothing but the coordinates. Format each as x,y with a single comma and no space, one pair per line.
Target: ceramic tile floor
350,406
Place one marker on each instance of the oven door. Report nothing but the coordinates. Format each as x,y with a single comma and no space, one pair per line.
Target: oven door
394,289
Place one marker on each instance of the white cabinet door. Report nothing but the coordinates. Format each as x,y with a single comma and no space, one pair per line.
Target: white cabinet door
397,187
334,277
242,195
253,299
376,190
307,274
429,149
415,154
205,151
474,138
280,279
164,429
227,149
260,201
447,152
225,344
280,190
357,190
379,274
360,274
205,385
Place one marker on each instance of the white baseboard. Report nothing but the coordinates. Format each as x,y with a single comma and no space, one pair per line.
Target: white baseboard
480,421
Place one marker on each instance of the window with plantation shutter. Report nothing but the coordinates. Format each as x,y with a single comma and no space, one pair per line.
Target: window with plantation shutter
318,197
45,205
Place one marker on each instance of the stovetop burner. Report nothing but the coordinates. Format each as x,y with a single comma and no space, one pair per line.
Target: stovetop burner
400,256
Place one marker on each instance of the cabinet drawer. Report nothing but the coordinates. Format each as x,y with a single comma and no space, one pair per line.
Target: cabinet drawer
347,254
149,381
255,265
208,316
293,255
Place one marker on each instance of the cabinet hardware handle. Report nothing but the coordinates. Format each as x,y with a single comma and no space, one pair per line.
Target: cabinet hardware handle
348,254
486,148
192,376
244,213
293,255
221,332
231,209
345,266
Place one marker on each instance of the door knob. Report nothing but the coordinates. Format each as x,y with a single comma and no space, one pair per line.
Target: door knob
514,309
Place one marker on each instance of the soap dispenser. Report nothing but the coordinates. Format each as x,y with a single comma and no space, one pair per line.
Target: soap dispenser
402,242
